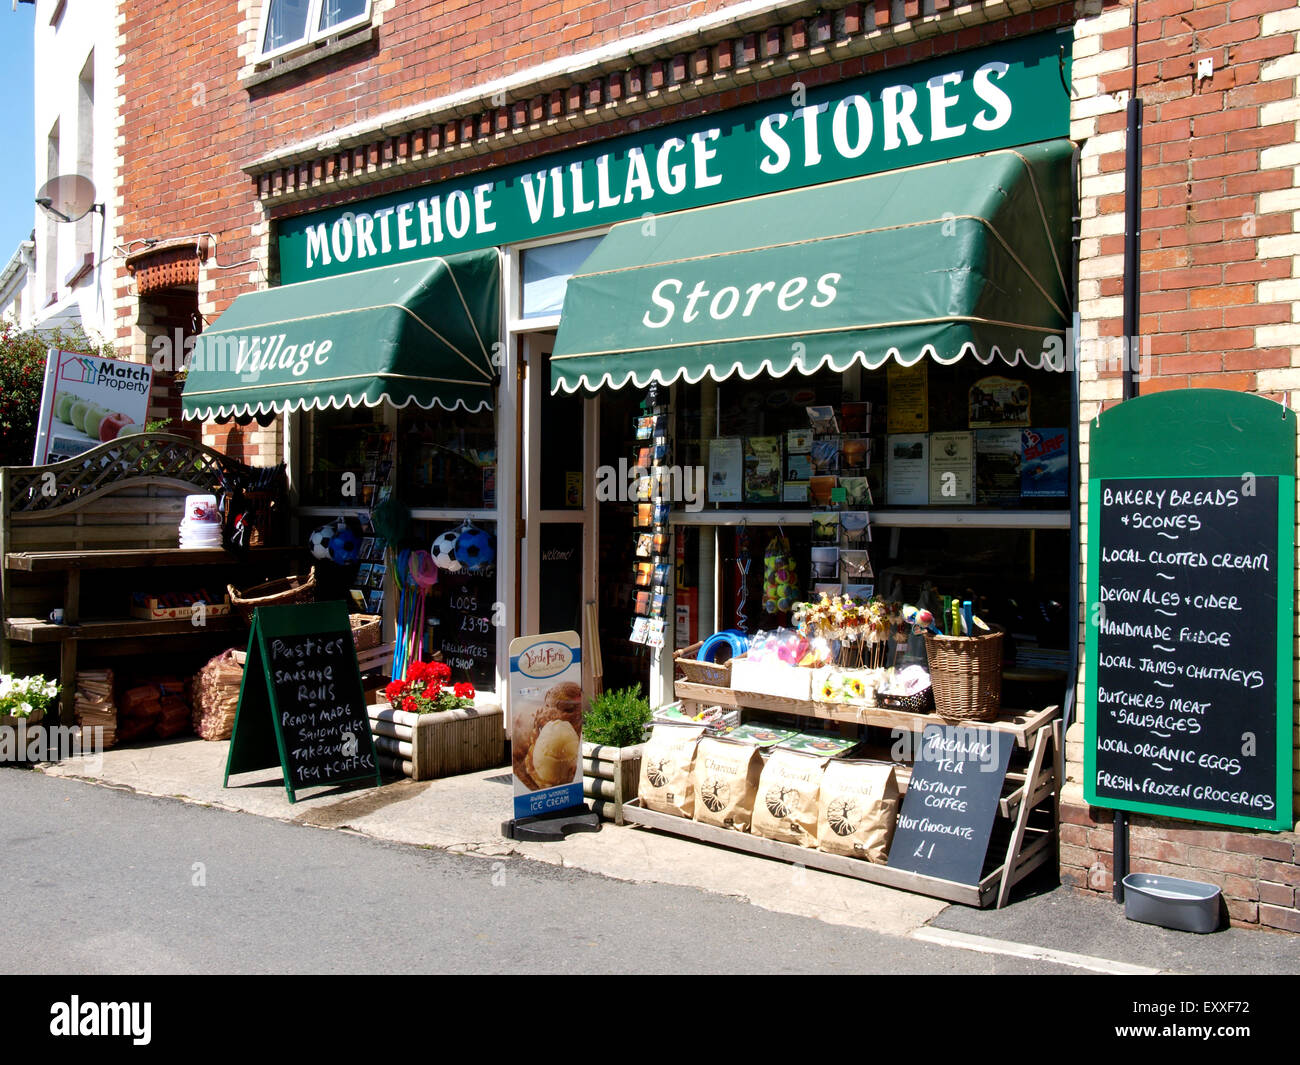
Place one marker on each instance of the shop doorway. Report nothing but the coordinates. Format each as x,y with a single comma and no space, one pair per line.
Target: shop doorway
557,537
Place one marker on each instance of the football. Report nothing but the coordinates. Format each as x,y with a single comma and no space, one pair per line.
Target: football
320,542
443,551
345,545
474,549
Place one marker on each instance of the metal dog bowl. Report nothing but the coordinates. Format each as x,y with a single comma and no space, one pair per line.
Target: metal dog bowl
1186,905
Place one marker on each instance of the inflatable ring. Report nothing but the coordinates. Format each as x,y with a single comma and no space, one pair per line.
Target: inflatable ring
737,641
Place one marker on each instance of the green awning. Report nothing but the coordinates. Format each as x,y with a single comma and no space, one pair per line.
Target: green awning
964,257
420,333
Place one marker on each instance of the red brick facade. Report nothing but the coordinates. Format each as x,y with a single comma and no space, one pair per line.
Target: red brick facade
1220,304
204,151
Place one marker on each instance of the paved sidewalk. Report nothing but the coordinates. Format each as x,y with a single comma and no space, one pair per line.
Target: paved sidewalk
464,814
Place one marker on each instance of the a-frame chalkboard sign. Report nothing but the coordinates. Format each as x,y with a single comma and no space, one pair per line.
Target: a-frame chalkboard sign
301,704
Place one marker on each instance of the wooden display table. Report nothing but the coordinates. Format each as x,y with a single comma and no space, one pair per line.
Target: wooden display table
124,633
1025,828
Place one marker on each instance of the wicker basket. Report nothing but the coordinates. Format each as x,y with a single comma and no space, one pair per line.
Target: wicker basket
281,592
366,630
715,674
966,672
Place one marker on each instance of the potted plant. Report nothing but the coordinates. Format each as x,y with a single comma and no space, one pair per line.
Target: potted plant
430,727
24,698
613,731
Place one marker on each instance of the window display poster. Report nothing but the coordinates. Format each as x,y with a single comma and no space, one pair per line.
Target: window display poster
546,703
908,398
762,469
726,465
88,401
1044,462
907,469
998,401
952,468
997,465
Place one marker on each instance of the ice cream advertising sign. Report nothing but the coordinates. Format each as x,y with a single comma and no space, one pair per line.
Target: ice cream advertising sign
87,401
546,722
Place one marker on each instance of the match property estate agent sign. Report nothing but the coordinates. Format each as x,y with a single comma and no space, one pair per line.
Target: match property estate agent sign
1191,557
88,401
546,706
301,704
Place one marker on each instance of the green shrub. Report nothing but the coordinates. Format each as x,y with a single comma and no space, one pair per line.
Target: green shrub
617,718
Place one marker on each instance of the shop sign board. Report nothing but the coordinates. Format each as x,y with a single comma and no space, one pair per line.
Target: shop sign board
546,704
1191,553
1012,93
87,401
951,802
301,704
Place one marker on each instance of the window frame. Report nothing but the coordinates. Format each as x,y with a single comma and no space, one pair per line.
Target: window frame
313,36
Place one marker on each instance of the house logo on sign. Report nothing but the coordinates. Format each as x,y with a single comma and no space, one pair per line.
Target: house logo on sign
81,371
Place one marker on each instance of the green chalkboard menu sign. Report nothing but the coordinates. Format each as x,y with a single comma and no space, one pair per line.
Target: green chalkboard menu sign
1191,553
301,704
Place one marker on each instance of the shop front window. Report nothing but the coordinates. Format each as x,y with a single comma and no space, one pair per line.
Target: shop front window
906,483
447,459
347,458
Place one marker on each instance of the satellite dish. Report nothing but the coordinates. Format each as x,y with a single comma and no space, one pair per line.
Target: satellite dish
68,197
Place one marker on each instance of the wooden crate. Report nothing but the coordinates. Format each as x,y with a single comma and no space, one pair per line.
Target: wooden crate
610,778
426,746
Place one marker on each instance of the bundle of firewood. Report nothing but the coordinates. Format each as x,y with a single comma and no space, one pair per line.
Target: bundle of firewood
215,695
93,703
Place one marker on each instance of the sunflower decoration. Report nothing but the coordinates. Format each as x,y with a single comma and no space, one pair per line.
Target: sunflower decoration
854,688
831,690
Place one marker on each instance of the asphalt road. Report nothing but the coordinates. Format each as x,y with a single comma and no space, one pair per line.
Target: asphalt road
117,883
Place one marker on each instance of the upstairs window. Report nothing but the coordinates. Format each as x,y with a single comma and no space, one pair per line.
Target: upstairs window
291,24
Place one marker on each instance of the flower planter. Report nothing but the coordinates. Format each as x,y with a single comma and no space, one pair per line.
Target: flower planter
610,776
425,746
34,718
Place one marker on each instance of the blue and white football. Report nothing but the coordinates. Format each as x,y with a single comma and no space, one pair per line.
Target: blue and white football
345,545
474,549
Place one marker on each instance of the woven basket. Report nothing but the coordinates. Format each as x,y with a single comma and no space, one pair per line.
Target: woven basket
716,674
366,630
966,672
281,592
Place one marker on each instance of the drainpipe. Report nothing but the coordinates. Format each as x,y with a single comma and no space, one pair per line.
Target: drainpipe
1132,262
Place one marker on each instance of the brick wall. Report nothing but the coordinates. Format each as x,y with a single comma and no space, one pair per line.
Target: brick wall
1220,304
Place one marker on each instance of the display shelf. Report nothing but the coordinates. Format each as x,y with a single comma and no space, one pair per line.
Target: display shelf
33,630
921,518
1031,788
1021,724
63,561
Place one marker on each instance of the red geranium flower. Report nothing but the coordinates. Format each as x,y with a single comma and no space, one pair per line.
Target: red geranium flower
463,691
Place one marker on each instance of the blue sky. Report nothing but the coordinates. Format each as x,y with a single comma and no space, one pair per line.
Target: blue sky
18,175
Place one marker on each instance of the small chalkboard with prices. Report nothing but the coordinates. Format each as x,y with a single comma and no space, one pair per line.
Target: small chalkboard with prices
462,608
301,704
948,811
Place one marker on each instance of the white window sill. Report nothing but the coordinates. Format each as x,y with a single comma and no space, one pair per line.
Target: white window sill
264,70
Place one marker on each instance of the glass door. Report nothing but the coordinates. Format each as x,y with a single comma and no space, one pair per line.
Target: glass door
559,533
